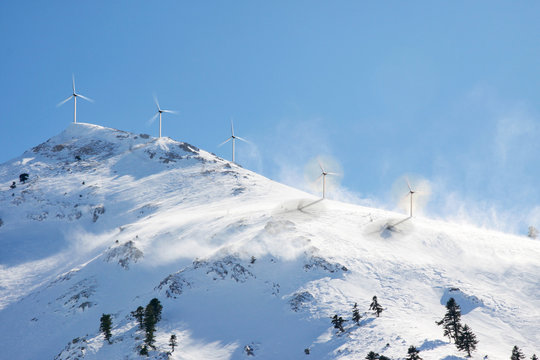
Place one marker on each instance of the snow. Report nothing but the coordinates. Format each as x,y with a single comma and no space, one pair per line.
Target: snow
109,220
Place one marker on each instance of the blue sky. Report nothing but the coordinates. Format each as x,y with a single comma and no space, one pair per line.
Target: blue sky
446,92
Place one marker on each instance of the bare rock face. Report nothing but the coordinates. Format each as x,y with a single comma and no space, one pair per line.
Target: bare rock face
229,267
124,254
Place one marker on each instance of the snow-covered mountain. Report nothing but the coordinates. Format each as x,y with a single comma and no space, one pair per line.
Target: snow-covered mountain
109,220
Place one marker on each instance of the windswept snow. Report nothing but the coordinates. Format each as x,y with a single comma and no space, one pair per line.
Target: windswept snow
109,220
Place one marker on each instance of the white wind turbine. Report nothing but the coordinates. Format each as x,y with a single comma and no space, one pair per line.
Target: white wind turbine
323,174
410,193
159,112
233,138
74,96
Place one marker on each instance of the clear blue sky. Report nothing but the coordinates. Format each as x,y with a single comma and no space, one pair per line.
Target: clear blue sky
448,91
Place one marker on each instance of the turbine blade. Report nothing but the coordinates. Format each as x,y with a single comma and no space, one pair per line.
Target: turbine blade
320,165
157,102
318,177
244,140
408,184
85,98
153,118
333,173
232,128
73,84
226,141
170,111
64,101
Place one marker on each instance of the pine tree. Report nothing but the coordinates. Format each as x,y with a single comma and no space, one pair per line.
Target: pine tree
172,342
517,354
152,314
144,351
105,326
534,357
338,322
412,353
467,340
375,306
156,306
356,314
451,321
139,316
382,357
372,356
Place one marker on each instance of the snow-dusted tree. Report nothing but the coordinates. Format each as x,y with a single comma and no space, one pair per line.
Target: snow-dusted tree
139,316
144,350
338,321
467,340
249,350
375,306
534,357
517,354
372,356
412,353
356,314
173,342
152,314
105,325
533,232
451,322
382,357
23,177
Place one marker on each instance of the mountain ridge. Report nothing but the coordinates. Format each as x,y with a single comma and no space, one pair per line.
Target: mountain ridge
237,260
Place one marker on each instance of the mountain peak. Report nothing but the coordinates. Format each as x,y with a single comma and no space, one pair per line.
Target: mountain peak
107,220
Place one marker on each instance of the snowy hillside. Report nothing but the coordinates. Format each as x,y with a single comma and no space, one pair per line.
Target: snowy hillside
109,220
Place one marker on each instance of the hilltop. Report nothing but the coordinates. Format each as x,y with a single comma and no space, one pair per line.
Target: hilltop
108,220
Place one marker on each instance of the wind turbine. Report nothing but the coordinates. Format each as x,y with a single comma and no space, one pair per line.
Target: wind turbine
74,96
159,112
411,193
233,138
323,174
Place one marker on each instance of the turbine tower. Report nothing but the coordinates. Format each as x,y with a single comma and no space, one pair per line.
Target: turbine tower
159,112
74,95
233,138
410,193
323,174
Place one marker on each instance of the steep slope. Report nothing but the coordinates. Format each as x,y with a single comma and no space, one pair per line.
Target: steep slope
109,220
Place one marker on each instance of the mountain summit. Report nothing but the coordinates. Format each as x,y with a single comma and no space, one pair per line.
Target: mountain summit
100,225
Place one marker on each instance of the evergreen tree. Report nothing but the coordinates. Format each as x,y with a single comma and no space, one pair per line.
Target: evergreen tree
338,322
533,232
152,314
156,306
382,357
144,351
412,353
372,356
139,316
451,321
534,357
356,314
517,354
375,306
172,342
105,326
467,340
